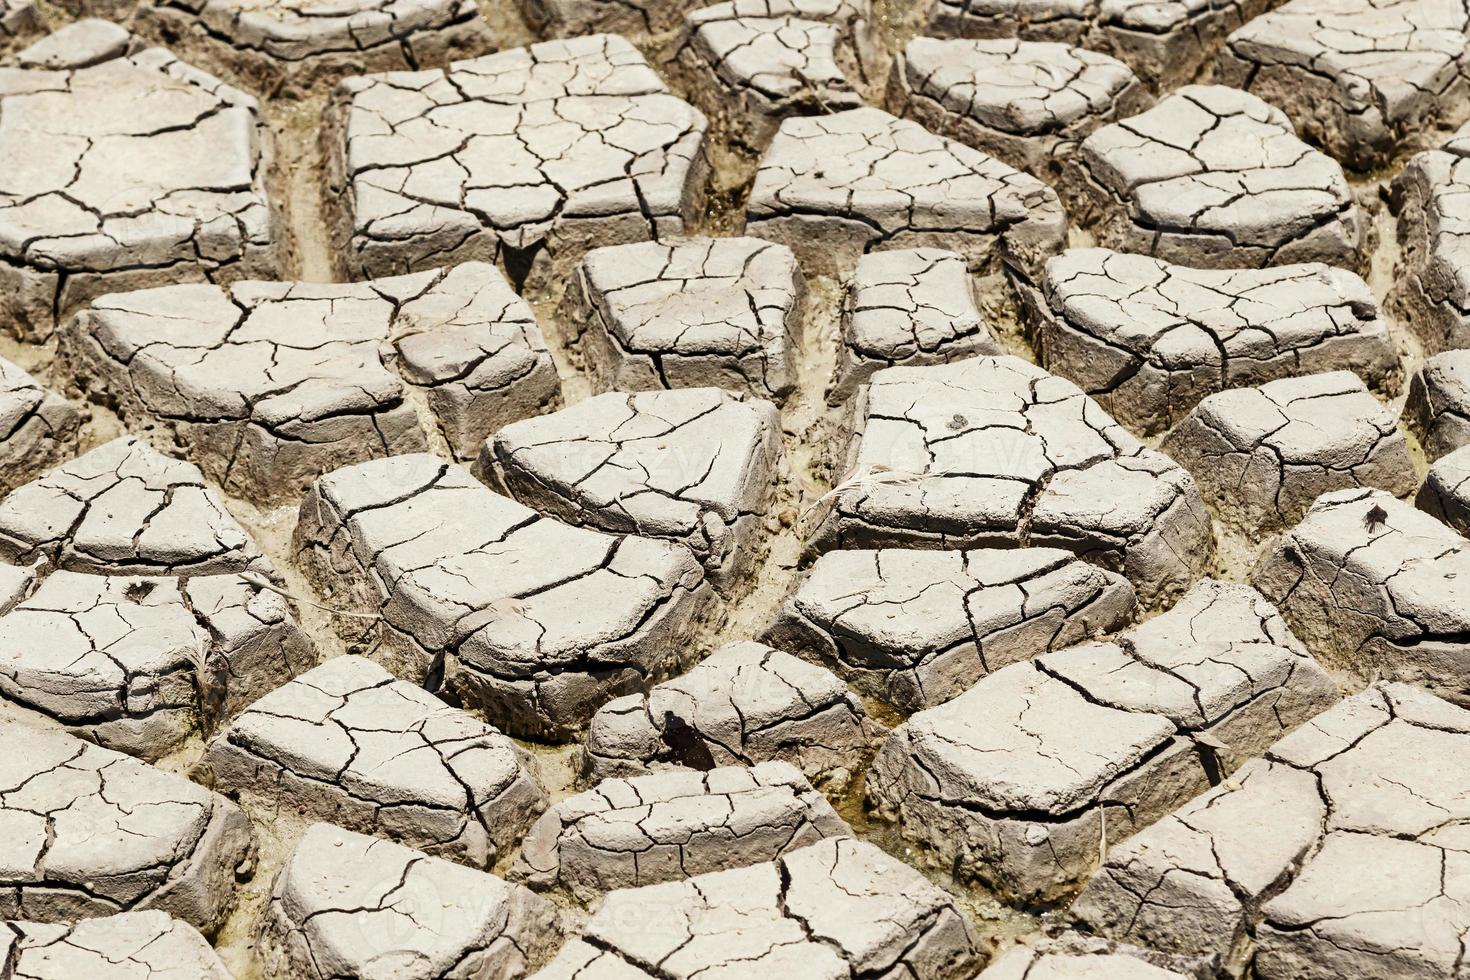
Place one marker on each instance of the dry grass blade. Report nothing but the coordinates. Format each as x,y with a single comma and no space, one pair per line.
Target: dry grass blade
862,477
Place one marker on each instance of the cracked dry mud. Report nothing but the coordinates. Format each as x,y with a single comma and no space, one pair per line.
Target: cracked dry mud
612,489
125,508
526,158
1215,178
533,621
748,64
1029,103
348,743
1432,198
90,832
916,628
1165,41
1378,597
292,46
996,451
744,704
1017,781
693,465
1274,857
1263,455
348,905
910,306
270,385
1437,407
837,186
837,909
146,945
690,313
138,664
1148,339
138,171
667,826
1361,80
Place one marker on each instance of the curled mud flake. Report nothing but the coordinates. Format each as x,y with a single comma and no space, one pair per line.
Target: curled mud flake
141,664
125,508
1438,405
150,944
752,63
695,465
294,47
1431,196
911,307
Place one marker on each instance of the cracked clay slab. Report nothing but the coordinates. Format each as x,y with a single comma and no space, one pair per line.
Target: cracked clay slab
1166,42
1431,197
1073,956
347,905
533,621
134,172
667,826
127,946
126,509
1028,103
1215,178
1438,404
1445,493
689,313
994,451
1149,339
839,909
89,832
38,428
917,627
911,306
744,704
140,664
638,19
295,46
1372,585
751,63
1011,783
270,385
348,743
1263,455
1340,854
693,465
526,158
1359,79
837,186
